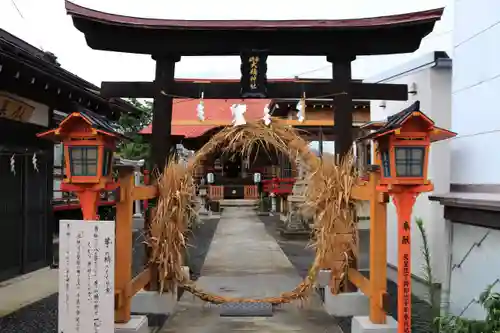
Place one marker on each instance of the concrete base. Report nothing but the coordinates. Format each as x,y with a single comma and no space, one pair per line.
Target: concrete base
295,234
137,324
154,303
346,304
364,325
323,278
238,202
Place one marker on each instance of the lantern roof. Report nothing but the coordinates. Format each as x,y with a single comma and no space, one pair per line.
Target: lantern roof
397,121
97,122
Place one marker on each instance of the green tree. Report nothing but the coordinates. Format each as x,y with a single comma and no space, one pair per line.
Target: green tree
137,147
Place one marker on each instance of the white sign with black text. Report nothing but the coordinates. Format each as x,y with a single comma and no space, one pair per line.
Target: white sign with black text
86,276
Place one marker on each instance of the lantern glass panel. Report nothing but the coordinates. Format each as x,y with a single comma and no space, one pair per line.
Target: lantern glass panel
83,160
107,162
386,163
410,161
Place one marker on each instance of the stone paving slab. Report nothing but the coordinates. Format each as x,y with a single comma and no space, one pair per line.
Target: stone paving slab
27,289
245,261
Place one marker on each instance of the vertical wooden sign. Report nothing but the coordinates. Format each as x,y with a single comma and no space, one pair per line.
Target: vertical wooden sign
253,74
404,277
86,276
404,202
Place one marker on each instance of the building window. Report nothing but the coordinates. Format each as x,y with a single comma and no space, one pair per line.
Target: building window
83,160
410,161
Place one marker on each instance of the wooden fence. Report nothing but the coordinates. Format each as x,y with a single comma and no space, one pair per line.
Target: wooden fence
127,286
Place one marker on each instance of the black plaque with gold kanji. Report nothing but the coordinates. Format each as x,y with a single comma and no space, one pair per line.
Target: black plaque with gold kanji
254,74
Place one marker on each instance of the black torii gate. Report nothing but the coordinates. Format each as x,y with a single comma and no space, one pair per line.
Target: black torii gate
168,40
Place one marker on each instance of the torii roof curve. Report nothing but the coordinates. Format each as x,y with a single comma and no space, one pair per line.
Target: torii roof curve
393,34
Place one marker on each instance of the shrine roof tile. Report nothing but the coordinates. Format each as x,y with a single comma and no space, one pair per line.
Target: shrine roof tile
215,109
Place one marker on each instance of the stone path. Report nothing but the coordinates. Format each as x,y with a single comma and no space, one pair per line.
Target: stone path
245,261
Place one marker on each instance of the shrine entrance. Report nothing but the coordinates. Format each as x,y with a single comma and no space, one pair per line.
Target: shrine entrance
339,41
233,167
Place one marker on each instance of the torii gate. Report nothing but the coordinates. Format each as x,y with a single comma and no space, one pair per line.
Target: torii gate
168,40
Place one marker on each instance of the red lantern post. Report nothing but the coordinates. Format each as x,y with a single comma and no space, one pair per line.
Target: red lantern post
403,148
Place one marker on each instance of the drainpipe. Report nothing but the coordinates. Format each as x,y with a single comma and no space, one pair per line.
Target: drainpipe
446,288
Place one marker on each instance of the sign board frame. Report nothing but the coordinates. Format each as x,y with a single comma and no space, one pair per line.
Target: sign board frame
86,276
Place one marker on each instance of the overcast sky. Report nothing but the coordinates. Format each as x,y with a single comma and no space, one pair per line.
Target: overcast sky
45,24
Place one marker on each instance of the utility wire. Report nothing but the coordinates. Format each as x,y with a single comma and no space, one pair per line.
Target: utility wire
17,8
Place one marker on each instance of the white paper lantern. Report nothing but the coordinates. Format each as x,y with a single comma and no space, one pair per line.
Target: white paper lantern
210,178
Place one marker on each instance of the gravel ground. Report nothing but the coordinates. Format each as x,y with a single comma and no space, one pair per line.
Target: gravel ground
301,258
41,316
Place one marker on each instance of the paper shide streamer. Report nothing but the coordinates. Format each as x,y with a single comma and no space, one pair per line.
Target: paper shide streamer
301,110
12,162
200,109
267,116
238,111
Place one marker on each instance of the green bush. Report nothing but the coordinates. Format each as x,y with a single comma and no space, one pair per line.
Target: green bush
490,301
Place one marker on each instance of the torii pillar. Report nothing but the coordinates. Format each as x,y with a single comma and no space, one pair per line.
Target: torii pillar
342,103
161,140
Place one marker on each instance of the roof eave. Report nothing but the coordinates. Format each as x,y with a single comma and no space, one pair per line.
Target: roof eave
422,17
141,34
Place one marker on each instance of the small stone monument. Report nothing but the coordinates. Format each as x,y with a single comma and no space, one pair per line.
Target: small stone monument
297,219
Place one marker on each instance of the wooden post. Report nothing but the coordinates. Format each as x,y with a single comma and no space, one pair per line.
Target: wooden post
404,201
124,224
161,142
342,101
378,249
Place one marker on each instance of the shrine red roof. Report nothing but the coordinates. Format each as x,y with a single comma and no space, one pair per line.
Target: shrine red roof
215,109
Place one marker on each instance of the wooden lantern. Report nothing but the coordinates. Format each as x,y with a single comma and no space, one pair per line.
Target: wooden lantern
403,146
89,142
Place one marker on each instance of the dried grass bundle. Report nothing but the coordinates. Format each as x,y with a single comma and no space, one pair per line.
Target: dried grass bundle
255,137
170,222
328,196
335,232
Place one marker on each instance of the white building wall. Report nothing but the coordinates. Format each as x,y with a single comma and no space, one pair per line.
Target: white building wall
475,265
475,117
476,87
433,92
